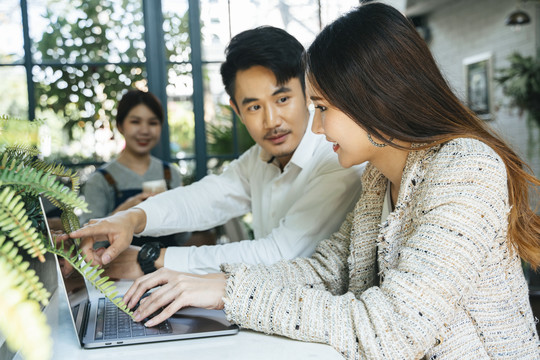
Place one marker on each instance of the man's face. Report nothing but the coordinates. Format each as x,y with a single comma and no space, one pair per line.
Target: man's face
275,116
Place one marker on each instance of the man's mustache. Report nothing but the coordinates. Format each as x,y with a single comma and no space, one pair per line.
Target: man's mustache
277,132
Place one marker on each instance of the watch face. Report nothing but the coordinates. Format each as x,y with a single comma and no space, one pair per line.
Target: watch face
148,253
147,256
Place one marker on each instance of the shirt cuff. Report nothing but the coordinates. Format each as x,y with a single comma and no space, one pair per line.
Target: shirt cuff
177,258
148,220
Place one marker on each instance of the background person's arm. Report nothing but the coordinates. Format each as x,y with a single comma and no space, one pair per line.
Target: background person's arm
98,194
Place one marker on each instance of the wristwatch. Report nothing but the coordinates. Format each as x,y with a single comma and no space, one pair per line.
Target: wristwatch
148,255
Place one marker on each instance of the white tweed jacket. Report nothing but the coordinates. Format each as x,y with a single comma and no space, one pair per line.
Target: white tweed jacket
448,286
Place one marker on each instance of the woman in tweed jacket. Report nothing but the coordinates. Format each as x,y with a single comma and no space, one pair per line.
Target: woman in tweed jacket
428,263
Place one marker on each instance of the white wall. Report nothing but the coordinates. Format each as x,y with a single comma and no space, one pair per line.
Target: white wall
464,28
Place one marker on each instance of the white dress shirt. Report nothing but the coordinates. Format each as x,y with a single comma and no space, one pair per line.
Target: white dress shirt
292,209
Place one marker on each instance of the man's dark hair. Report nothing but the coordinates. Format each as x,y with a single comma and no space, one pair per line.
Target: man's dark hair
136,97
267,46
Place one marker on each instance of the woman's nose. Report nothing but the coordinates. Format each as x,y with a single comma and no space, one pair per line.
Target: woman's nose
316,126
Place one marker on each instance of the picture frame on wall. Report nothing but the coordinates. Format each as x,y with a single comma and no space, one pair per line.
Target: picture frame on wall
478,84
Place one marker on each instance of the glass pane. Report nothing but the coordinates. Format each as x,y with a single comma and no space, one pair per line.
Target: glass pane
298,17
14,99
180,111
87,30
302,18
176,30
225,133
215,29
11,33
79,106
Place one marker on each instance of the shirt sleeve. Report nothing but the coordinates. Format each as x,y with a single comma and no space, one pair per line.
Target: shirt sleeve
330,193
407,314
202,205
297,234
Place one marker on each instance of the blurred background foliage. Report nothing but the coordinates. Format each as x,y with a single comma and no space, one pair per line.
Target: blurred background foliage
105,41
92,51
521,83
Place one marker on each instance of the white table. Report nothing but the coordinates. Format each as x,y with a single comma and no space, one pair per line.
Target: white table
246,344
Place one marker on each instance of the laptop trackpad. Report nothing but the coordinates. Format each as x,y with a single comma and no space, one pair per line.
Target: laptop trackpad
195,320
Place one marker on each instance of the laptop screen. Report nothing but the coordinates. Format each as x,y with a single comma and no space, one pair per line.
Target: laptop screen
74,284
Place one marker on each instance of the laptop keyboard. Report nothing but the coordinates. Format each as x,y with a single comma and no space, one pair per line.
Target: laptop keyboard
113,323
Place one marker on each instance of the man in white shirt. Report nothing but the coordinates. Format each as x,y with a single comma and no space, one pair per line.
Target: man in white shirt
290,180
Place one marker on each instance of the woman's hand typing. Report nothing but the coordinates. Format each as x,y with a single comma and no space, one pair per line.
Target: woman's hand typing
177,290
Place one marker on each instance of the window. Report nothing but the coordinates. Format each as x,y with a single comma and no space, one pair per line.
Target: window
69,62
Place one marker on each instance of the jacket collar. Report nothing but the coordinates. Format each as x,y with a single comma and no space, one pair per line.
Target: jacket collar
389,231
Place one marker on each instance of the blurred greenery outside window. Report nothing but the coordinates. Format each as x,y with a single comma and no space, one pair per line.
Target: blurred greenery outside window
69,62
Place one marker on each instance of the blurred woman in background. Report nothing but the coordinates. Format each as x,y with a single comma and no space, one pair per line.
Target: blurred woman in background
118,185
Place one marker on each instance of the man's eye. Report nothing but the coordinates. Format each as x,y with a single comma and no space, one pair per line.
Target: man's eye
320,107
254,107
283,99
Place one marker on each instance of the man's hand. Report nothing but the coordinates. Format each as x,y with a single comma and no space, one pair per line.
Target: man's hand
117,229
178,290
125,266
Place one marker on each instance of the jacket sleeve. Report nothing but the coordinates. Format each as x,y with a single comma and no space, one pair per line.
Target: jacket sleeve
460,214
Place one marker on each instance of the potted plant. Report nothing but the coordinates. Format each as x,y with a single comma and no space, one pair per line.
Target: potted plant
521,83
23,177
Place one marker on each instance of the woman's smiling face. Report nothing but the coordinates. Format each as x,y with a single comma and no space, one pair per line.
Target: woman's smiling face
141,129
350,141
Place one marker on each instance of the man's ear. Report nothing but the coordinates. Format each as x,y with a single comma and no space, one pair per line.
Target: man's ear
235,109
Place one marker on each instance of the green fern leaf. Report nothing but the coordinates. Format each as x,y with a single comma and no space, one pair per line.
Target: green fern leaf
102,280
58,171
22,319
34,181
102,284
27,280
18,226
